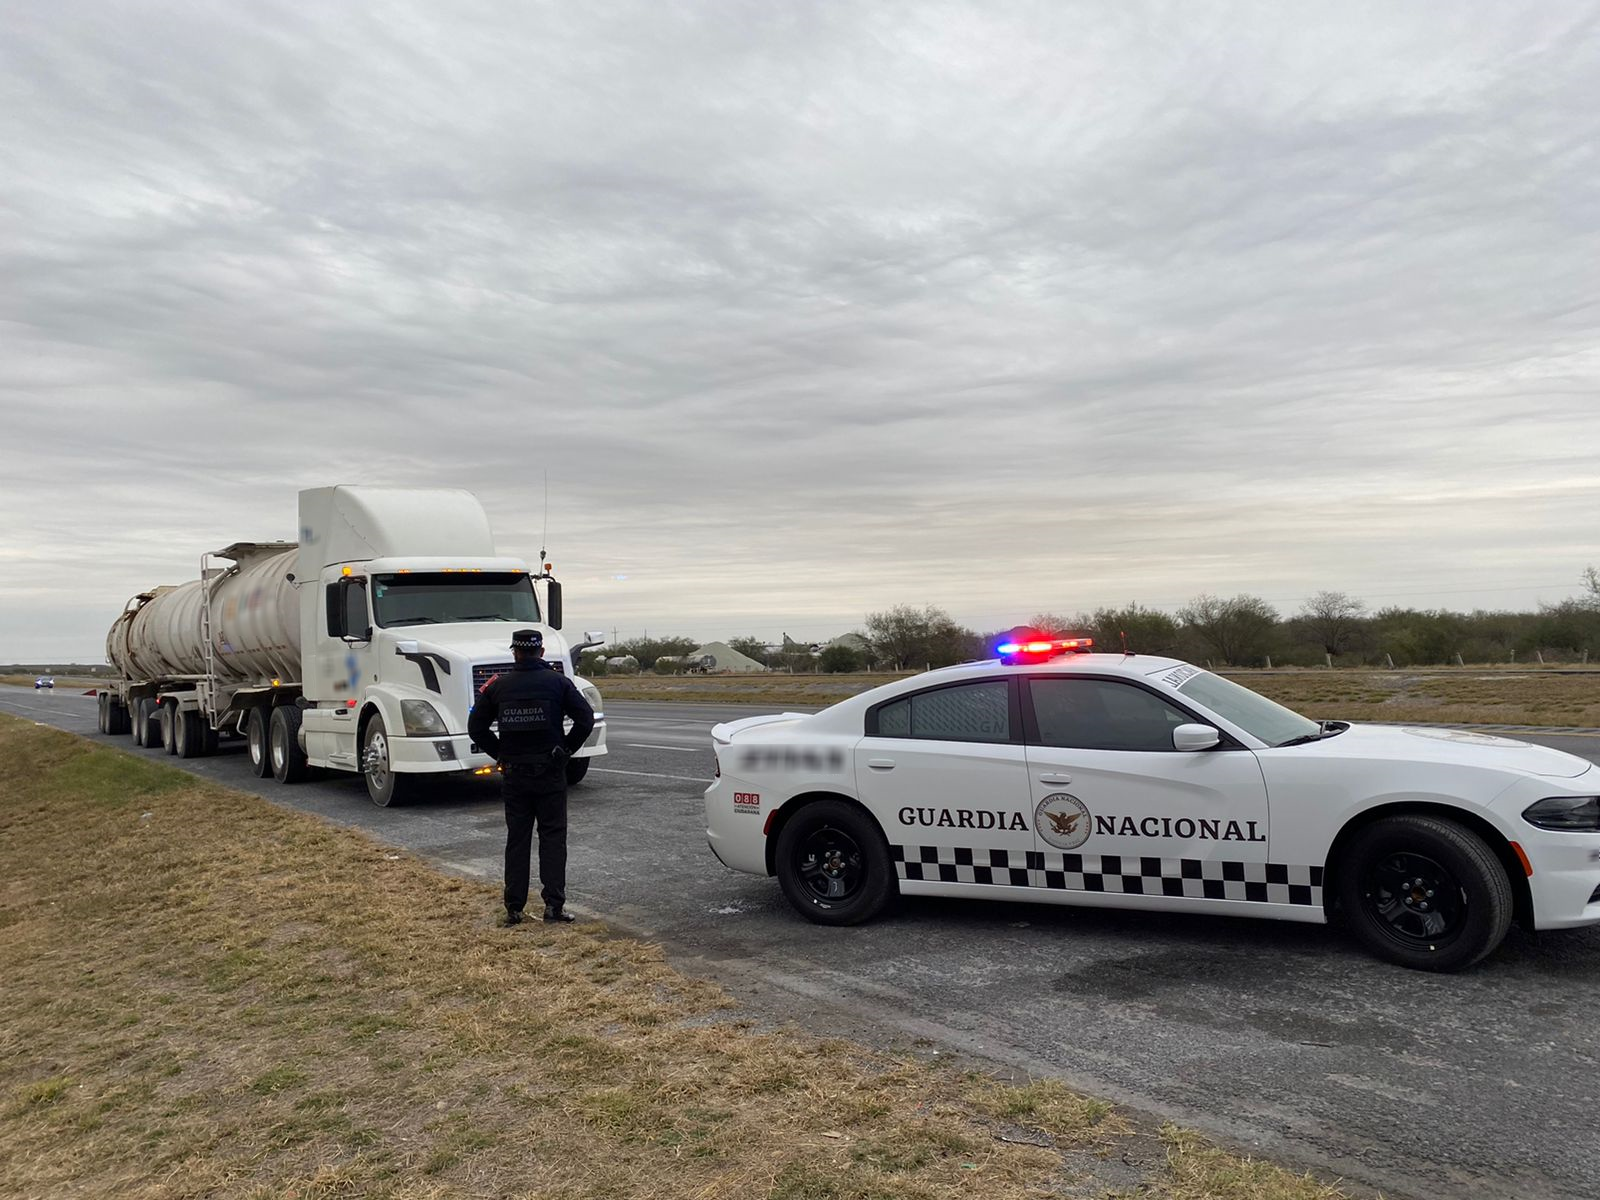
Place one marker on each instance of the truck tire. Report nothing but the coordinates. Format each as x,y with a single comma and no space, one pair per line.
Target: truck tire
833,864
384,786
102,716
1424,892
117,722
256,739
146,732
283,745
189,734
577,768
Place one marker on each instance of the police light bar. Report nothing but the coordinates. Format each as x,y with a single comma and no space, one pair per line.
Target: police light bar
1042,648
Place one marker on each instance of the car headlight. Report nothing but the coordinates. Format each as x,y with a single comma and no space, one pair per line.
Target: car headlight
421,719
1569,814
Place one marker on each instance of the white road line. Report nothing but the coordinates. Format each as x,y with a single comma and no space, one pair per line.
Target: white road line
649,775
675,749
60,712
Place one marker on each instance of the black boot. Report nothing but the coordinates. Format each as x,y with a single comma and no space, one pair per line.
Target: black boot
513,917
554,914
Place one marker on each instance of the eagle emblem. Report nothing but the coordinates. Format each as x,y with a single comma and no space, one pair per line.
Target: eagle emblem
1063,821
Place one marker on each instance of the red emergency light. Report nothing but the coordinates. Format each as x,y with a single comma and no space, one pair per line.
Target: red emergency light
1015,650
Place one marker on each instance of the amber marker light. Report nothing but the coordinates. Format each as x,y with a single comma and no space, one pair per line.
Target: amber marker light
1522,857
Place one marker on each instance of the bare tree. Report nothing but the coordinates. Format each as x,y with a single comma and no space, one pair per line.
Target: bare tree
1591,581
1237,629
907,637
1333,618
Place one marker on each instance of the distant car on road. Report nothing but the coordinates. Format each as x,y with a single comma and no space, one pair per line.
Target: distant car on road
44,681
1056,775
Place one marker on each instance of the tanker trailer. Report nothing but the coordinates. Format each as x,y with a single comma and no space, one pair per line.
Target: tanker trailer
360,648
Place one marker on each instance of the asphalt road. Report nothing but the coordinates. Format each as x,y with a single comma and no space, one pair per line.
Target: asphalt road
1281,1039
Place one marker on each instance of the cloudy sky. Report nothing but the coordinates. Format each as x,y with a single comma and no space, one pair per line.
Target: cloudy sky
809,309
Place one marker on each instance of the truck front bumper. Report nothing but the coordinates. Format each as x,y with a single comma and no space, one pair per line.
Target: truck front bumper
434,756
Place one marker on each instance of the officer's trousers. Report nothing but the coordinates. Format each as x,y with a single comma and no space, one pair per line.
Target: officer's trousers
531,799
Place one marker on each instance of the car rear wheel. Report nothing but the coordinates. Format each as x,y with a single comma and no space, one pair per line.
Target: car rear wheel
833,864
1424,892
283,745
256,738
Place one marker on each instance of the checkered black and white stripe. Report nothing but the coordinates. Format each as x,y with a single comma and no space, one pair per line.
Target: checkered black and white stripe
1192,878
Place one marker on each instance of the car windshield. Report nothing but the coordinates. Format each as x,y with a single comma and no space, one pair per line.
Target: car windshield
437,597
1256,715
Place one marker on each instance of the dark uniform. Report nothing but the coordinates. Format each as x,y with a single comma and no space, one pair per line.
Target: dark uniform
529,701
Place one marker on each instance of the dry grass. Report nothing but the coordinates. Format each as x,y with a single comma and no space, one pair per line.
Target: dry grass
1467,696
206,995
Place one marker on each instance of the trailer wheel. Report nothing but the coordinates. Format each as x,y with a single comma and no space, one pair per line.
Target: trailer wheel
283,743
117,721
145,731
169,726
102,718
384,786
188,735
256,736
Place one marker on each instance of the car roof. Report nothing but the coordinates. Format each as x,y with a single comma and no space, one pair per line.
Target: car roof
846,712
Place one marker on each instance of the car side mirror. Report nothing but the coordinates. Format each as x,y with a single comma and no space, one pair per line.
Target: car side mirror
1195,737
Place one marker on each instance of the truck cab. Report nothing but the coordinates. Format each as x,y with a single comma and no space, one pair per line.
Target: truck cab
405,611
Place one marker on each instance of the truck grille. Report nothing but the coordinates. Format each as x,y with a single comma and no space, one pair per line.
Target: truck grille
482,671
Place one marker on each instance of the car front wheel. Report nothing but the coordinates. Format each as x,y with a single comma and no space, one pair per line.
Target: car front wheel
1424,892
833,864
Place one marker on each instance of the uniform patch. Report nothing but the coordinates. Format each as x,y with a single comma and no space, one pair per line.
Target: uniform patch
747,802
1063,821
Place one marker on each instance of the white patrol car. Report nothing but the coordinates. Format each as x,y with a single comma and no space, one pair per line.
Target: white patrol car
1057,775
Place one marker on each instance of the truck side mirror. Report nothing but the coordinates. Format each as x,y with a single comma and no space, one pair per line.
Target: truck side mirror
552,604
591,639
347,610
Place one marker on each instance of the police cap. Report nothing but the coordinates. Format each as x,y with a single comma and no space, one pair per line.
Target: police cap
527,639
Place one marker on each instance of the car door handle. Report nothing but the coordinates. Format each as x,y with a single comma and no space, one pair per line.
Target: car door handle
1055,777
881,764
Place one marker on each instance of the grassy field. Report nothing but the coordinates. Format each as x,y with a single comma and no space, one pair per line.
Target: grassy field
206,995
1465,695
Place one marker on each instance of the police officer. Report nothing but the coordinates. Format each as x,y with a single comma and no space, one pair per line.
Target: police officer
530,701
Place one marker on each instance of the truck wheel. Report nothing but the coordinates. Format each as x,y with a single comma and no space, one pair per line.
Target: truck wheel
169,726
188,734
102,718
283,745
577,768
117,722
142,722
833,864
384,786
1425,893
256,737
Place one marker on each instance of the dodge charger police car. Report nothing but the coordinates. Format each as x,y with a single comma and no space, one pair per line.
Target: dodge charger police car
1058,775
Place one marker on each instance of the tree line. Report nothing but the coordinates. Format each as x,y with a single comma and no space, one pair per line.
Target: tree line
1234,631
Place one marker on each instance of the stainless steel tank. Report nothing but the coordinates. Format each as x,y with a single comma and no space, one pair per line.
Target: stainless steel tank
255,623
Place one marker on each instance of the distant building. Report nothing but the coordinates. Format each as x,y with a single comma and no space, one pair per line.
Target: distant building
719,657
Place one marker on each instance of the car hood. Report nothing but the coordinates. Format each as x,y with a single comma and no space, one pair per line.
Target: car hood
1413,743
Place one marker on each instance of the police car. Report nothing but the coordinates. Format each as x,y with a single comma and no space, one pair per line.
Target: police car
1058,775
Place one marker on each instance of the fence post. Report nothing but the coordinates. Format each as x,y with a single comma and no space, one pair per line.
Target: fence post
1269,662
1388,658
1329,657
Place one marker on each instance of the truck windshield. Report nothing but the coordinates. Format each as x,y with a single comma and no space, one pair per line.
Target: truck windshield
438,597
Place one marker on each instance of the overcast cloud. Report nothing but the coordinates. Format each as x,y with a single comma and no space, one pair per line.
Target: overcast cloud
809,309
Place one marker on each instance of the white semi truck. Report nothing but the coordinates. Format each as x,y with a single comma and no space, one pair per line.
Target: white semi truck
360,648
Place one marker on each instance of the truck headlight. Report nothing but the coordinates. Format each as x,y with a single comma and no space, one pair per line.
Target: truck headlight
421,719
592,695
1569,814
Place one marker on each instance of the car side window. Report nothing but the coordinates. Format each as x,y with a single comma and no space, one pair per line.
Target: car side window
1102,714
969,712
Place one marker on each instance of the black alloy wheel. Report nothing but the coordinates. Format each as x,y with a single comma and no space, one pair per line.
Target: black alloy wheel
1425,892
833,864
